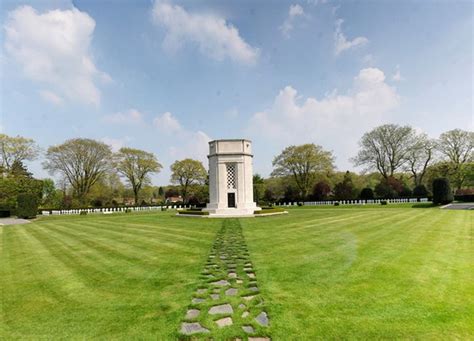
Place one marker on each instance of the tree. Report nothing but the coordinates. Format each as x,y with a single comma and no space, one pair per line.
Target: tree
457,147
321,191
136,165
389,188
344,190
385,148
302,163
367,193
442,193
420,191
258,187
81,161
187,172
419,155
16,149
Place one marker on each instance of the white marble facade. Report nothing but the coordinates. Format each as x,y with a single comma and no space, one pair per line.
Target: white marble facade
230,178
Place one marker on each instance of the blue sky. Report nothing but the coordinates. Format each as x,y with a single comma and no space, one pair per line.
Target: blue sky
167,76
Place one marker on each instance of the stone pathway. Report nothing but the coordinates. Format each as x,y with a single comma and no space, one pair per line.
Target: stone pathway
227,303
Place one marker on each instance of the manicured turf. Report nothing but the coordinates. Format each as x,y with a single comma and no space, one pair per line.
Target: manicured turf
332,272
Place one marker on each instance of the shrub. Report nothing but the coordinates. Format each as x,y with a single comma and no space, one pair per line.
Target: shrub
83,213
336,204
191,212
420,191
27,206
4,213
367,193
127,210
321,191
384,202
406,192
463,198
270,210
442,191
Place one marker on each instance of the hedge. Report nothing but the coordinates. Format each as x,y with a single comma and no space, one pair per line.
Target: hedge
442,193
270,210
193,212
464,197
27,206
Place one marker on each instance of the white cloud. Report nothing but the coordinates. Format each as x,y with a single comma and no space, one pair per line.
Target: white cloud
340,41
53,48
131,116
116,144
184,143
397,76
50,97
167,123
294,12
335,121
214,36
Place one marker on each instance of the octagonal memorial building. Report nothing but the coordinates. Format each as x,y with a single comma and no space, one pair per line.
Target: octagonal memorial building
230,178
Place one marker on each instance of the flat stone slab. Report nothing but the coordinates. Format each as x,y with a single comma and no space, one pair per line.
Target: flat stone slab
226,321
192,314
221,283
259,339
254,289
232,275
198,300
239,281
245,314
221,309
248,329
262,319
231,292
215,297
242,306
249,298
251,275
192,328
201,291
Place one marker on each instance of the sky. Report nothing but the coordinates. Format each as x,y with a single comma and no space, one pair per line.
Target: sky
169,76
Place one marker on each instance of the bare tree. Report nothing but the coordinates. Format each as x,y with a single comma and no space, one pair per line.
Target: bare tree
81,161
303,162
385,148
457,147
419,156
136,165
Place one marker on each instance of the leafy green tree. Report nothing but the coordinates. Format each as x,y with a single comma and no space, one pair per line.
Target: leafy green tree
345,190
303,162
16,149
457,148
258,188
321,191
385,148
136,166
187,172
81,161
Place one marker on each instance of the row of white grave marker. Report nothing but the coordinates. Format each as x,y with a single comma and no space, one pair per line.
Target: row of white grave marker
354,202
112,210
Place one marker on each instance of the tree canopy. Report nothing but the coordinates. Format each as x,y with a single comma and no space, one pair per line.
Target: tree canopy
187,172
136,166
16,149
81,161
385,148
302,163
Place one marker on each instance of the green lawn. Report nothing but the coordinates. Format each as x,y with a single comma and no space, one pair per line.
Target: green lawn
329,272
